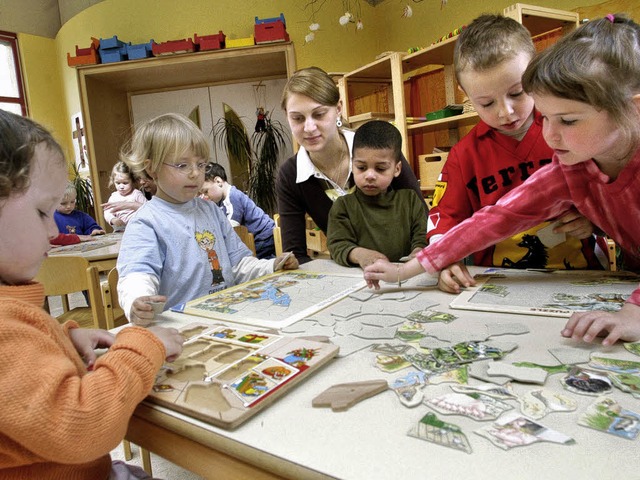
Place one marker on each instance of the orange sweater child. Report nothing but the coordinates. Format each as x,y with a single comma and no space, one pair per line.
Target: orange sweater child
57,419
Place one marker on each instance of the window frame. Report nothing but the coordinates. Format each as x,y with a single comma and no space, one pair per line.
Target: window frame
21,99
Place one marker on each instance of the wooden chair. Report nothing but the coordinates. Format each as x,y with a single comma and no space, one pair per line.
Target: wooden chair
63,275
113,313
277,234
247,237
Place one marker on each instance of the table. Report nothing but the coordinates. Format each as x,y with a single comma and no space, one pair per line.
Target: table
291,439
104,258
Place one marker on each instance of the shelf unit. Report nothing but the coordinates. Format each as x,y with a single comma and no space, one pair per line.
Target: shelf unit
392,71
106,89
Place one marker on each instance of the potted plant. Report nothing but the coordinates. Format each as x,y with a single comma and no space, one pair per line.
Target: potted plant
254,159
84,192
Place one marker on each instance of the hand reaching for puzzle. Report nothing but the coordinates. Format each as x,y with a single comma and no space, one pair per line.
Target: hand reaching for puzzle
454,276
622,325
171,339
86,340
573,223
144,309
365,257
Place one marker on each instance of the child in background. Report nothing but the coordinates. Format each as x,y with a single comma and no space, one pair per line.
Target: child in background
587,87
75,222
57,419
357,221
126,191
178,247
147,185
502,151
239,209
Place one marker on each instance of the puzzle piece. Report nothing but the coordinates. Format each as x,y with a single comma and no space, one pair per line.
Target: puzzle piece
434,430
300,326
538,403
606,415
494,329
479,370
571,356
514,430
375,333
477,405
347,312
519,374
349,344
381,320
345,395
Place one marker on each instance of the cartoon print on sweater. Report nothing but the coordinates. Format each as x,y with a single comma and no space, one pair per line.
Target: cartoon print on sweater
206,240
71,229
536,256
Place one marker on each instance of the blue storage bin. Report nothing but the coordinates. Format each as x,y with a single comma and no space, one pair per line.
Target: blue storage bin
111,55
140,50
113,42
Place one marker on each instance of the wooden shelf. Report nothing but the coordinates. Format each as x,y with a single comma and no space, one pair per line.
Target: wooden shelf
356,120
437,54
539,20
464,120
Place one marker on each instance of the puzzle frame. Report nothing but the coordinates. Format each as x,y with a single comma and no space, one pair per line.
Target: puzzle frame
227,375
272,290
558,293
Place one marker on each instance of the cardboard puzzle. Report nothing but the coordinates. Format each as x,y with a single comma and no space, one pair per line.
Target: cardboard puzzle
277,300
81,247
225,376
556,293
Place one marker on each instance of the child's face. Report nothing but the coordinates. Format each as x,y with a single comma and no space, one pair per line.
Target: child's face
497,94
577,132
67,205
123,183
26,220
374,169
312,124
180,180
147,184
213,190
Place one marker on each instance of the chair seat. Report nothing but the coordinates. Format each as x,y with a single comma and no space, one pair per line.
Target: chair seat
83,316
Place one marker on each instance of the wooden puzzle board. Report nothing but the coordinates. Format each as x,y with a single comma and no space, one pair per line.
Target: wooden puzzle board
82,247
556,293
225,375
277,300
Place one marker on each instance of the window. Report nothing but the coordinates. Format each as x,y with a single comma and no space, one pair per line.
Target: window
12,96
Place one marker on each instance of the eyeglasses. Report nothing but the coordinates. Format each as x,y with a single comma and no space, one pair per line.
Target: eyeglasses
187,168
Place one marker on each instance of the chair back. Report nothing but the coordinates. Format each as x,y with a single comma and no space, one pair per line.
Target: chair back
247,237
277,234
63,275
113,313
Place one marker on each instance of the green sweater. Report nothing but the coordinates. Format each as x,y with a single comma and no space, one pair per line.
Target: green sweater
393,223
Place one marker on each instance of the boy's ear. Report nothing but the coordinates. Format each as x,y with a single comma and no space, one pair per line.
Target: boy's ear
398,168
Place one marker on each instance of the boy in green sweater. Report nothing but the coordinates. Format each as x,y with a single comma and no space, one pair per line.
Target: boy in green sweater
374,221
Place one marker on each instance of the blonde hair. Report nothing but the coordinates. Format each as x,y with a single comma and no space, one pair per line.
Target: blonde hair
597,64
70,191
314,83
120,167
165,137
488,41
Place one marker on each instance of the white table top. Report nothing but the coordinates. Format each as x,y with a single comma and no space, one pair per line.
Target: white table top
369,441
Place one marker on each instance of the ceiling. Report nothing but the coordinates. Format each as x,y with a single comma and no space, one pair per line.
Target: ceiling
39,17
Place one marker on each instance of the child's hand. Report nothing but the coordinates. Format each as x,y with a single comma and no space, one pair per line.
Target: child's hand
171,339
622,325
286,261
142,311
85,238
453,276
365,257
115,207
98,232
86,340
573,223
380,270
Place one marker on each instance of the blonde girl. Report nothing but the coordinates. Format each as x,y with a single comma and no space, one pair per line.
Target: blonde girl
161,259
126,200
587,88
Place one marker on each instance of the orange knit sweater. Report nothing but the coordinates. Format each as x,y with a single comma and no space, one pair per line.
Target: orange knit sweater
57,420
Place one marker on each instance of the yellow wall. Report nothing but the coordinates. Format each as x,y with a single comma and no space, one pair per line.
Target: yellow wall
43,86
52,85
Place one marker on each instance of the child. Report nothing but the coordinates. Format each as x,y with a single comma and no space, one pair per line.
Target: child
72,221
178,247
502,151
357,221
57,420
126,191
239,209
587,88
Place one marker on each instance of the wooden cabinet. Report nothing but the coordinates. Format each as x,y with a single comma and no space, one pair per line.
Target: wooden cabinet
105,93
383,83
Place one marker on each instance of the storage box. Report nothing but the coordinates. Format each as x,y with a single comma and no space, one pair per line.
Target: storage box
270,32
316,240
270,20
209,42
140,50
111,55
240,42
173,46
113,42
430,167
